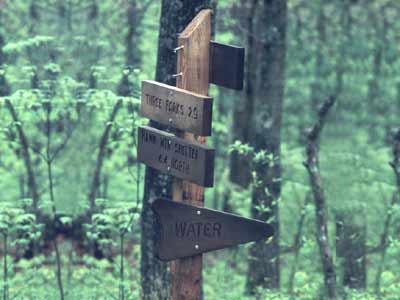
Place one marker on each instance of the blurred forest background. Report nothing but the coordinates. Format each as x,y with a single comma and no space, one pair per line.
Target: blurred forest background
73,213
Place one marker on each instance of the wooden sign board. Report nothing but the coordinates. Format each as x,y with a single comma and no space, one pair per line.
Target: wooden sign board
185,230
226,65
181,158
176,107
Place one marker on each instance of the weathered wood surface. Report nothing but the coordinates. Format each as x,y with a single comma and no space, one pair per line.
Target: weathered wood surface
226,65
176,107
186,230
175,156
193,65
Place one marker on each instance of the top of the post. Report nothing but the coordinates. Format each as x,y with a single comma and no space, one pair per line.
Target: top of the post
194,56
204,16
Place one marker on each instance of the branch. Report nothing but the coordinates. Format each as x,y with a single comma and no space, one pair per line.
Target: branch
34,150
101,154
315,131
298,243
63,144
376,249
395,163
143,10
290,249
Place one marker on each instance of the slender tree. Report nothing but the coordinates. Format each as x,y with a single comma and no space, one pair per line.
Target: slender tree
395,164
312,166
264,260
102,154
297,243
131,40
375,105
135,12
5,89
351,238
26,156
2,42
34,17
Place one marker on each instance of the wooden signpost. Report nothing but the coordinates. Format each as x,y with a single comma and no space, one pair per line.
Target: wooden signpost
175,156
193,67
186,229
177,108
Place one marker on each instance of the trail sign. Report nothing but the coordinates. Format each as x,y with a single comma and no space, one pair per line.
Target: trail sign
176,107
226,65
175,156
192,65
186,230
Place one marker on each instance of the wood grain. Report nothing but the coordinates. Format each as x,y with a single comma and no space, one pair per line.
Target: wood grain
193,64
176,107
178,157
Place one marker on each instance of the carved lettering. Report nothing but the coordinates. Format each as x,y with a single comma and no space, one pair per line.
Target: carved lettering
173,107
154,101
180,229
186,151
191,231
165,143
198,230
163,159
175,156
193,112
148,137
180,165
207,229
217,229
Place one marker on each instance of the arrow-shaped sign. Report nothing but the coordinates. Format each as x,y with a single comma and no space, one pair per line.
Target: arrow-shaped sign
185,230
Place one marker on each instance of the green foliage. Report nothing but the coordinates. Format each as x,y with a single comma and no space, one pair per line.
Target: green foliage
111,221
67,69
19,226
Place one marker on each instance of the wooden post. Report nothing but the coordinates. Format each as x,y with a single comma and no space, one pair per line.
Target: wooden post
192,75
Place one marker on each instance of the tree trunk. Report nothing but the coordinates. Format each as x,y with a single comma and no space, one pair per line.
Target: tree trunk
312,165
297,245
2,44
384,243
351,246
5,89
375,106
395,164
316,87
240,169
264,256
351,234
102,154
132,55
33,17
33,188
5,267
155,276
